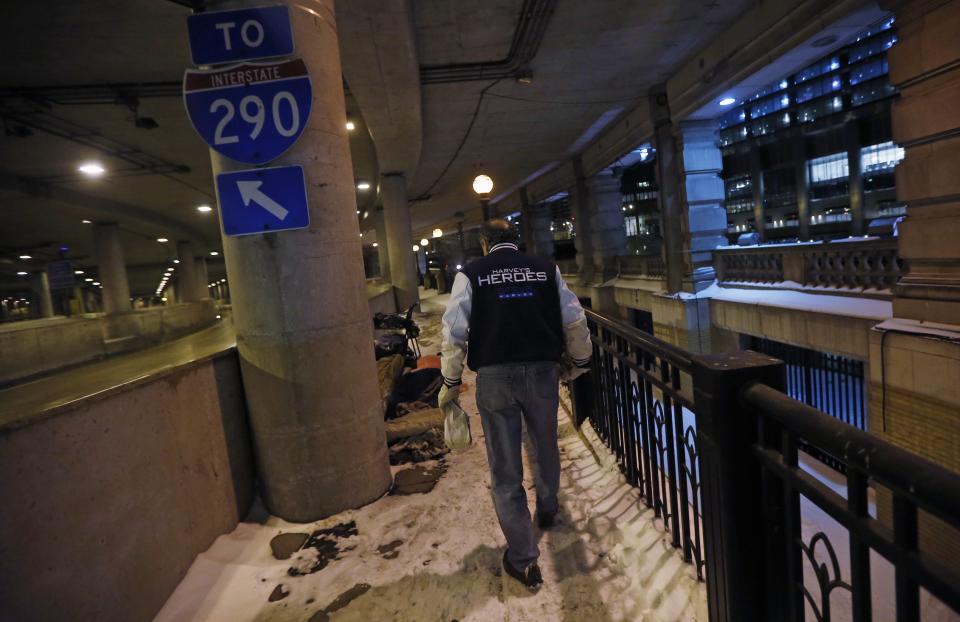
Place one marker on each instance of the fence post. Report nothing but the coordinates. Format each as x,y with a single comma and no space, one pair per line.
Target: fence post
738,583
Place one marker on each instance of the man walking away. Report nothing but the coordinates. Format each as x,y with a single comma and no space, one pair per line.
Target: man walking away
513,318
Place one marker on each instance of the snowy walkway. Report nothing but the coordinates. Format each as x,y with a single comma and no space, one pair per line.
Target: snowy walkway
436,556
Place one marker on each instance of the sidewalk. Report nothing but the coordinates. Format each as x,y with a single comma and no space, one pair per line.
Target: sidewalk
436,555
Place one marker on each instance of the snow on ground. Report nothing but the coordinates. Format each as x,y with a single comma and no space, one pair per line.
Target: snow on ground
439,553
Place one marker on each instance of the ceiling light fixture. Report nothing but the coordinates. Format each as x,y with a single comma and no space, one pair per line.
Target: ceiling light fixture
727,101
162,240
21,273
78,271
351,125
26,257
363,185
85,221
375,245
424,242
415,249
204,208
482,184
214,253
176,261
92,169
438,233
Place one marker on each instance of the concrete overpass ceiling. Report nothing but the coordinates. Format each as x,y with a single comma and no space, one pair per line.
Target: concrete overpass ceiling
596,60
60,56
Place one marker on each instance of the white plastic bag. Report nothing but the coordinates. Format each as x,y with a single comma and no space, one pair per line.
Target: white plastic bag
456,427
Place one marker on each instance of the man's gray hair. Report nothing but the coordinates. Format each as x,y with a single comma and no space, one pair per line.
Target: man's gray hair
497,231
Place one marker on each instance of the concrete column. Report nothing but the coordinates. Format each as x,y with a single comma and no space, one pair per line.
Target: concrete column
383,247
203,278
41,287
526,221
81,303
608,236
706,217
187,274
111,267
540,223
301,314
171,293
396,214
580,206
670,195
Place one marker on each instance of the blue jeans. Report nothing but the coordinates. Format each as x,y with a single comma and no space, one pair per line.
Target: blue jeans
506,396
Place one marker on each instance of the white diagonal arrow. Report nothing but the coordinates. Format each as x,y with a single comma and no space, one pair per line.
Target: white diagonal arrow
250,191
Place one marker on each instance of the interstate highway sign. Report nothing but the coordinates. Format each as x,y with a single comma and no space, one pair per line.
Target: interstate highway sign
218,37
250,112
263,200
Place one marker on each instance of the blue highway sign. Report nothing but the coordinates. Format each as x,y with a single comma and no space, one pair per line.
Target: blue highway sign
251,112
221,37
61,274
263,200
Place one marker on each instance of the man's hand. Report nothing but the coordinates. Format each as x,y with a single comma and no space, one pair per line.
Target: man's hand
569,370
447,395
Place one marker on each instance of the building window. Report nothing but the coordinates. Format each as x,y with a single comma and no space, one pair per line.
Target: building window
828,168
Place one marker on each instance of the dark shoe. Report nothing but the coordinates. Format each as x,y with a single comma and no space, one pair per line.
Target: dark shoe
546,520
530,577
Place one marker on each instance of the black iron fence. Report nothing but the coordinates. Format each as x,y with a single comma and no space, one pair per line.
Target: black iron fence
829,382
714,447
640,395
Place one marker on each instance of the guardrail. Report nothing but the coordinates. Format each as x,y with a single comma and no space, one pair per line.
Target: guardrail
713,445
865,264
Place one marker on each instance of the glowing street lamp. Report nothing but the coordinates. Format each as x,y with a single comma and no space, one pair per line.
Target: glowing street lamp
483,186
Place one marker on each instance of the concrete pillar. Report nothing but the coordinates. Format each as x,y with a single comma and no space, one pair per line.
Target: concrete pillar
111,267
608,237
187,274
580,206
540,222
41,287
670,195
203,278
171,293
81,303
301,315
706,218
383,247
526,221
396,214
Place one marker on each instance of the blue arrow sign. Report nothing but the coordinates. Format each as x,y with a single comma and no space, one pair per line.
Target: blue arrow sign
263,200
229,36
251,112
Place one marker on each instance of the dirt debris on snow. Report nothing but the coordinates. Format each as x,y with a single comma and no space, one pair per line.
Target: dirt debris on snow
416,480
322,547
286,544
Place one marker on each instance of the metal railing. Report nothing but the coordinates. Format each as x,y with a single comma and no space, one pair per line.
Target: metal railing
639,390
713,445
866,264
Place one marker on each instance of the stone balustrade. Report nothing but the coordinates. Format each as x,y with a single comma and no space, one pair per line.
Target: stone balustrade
863,264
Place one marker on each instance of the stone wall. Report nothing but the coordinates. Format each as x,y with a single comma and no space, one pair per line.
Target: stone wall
41,346
108,501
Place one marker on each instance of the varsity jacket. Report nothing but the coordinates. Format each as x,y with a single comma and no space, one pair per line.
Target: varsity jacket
509,307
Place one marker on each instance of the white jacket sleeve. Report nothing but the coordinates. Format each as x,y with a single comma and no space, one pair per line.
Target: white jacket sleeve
575,330
456,328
